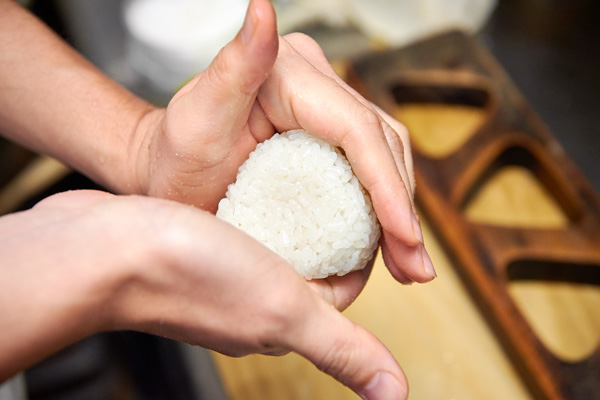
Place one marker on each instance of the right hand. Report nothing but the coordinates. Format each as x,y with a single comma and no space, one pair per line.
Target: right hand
103,262
260,84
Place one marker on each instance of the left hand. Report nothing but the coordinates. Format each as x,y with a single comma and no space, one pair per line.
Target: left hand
83,262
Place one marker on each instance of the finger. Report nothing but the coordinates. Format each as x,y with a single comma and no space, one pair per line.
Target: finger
398,150
310,50
242,66
348,352
398,141
331,113
402,132
412,262
209,126
259,124
227,89
341,291
394,269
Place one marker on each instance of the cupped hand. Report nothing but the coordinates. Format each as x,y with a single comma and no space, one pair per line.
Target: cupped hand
105,262
260,84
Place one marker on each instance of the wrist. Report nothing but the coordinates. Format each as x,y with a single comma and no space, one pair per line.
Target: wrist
56,294
137,154
126,287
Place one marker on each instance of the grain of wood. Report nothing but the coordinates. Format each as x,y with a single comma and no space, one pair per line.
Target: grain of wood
434,330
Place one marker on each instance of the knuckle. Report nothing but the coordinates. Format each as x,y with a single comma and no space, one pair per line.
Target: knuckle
366,121
305,46
370,117
302,39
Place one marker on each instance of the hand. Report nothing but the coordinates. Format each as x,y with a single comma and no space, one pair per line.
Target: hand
103,262
260,84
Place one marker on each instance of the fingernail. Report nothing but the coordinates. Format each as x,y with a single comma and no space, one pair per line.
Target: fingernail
384,387
427,264
417,227
249,25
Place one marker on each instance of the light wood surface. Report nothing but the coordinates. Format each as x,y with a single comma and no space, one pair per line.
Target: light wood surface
434,121
39,175
513,197
563,315
434,330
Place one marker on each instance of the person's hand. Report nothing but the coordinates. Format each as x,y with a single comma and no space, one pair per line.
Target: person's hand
84,261
260,84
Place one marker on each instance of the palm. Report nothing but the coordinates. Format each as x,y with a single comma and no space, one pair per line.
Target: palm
269,83
195,161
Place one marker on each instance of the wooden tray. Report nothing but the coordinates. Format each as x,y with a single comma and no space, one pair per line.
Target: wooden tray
454,69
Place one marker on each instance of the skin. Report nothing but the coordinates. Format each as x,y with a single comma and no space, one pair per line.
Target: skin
150,259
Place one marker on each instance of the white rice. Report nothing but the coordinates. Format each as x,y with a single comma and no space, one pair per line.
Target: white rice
298,196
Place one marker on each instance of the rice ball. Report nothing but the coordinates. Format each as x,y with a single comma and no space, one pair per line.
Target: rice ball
298,196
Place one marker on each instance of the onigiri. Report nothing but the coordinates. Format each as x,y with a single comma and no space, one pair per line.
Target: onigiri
298,196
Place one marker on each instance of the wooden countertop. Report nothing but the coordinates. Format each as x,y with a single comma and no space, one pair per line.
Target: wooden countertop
435,330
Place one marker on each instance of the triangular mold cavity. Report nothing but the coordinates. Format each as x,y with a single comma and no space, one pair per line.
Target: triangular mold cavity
518,191
560,301
440,118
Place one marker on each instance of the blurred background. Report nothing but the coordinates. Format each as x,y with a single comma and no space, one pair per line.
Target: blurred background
549,48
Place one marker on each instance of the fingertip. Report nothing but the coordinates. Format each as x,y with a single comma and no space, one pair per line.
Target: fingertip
260,27
385,386
411,261
398,216
245,62
346,351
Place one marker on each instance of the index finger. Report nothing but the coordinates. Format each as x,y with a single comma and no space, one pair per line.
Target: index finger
297,95
310,50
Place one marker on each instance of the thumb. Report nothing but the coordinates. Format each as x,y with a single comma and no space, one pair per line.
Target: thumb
227,89
350,354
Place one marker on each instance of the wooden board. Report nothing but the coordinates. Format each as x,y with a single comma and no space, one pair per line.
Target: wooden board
434,331
486,168
454,71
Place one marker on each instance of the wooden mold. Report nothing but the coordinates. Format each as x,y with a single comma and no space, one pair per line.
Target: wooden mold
454,70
